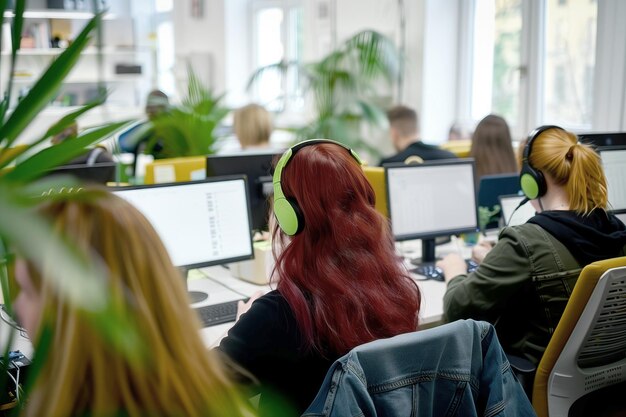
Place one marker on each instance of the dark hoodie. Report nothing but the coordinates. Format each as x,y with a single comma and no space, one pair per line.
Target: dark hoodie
589,238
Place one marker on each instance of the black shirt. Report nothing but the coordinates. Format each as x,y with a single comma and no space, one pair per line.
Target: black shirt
424,151
267,342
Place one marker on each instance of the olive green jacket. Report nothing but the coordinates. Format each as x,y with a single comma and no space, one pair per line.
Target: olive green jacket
522,287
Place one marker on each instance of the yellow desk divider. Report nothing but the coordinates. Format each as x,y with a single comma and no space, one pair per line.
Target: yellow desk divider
376,178
176,170
460,148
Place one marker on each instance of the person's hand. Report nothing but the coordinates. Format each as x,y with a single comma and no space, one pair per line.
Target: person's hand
243,307
480,250
452,266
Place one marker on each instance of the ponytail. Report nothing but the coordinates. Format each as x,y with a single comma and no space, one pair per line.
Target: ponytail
574,165
586,186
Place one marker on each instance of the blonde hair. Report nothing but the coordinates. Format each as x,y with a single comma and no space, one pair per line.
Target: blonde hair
82,372
253,125
572,164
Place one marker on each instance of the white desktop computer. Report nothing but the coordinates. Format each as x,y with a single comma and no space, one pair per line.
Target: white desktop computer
512,213
201,223
432,199
614,165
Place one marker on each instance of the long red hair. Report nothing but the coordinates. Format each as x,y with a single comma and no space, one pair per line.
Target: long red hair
340,275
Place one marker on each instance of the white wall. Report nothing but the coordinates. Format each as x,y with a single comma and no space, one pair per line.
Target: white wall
201,40
440,65
238,48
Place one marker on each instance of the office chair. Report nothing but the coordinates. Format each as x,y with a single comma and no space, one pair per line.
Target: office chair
455,369
460,148
587,351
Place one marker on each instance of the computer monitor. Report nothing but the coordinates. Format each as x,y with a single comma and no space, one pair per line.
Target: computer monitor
98,173
258,168
511,214
431,199
201,223
604,139
491,187
614,165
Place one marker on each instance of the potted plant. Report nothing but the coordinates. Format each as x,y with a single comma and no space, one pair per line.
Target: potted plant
188,129
344,88
22,231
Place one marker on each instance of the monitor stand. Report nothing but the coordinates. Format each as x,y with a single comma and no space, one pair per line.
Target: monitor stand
428,253
194,296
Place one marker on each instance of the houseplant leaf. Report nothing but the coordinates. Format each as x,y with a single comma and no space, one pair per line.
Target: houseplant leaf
55,155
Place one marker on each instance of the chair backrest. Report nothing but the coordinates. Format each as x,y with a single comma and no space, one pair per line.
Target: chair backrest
176,170
588,348
455,369
460,148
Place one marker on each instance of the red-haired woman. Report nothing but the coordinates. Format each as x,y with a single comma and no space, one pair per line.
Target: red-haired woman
340,283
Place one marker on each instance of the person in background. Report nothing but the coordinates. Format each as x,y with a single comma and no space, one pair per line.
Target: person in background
492,148
404,133
141,135
169,373
253,127
91,157
523,282
339,282
459,132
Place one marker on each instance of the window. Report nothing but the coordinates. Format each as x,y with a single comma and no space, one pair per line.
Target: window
276,37
570,50
164,38
497,40
533,62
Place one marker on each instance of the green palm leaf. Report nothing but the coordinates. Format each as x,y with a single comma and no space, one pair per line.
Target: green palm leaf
56,155
55,129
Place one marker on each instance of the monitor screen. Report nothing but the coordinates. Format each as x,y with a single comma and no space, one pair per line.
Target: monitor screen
201,223
431,199
97,173
604,139
490,187
258,168
614,165
513,216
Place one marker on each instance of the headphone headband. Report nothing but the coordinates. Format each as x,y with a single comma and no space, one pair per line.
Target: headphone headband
532,136
286,209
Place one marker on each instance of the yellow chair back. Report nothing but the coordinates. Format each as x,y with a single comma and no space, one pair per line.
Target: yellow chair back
460,148
583,289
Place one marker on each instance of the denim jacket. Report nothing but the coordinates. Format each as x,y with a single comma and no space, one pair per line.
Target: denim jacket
458,369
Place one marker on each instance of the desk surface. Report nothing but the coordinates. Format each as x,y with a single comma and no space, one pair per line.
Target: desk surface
432,291
218,282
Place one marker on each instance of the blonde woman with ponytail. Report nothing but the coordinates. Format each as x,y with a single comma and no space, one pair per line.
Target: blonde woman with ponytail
523,282
167,373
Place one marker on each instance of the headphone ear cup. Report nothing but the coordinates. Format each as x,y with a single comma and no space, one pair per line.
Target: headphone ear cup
532,182
288,215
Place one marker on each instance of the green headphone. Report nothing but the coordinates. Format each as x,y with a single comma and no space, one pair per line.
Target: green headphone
286,209
532,182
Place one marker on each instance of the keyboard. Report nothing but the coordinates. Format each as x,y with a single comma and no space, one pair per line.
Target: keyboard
215,314
430,271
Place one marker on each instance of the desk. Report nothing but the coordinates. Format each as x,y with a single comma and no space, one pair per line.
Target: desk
431,311
218,282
